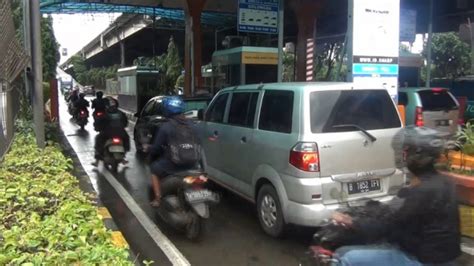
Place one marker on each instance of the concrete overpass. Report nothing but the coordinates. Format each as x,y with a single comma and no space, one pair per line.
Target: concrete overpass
304,21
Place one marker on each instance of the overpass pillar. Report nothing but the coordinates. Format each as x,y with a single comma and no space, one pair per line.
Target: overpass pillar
122,53
306,15
193,46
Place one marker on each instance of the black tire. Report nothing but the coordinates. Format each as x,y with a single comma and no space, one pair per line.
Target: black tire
114,167
195,230
272,222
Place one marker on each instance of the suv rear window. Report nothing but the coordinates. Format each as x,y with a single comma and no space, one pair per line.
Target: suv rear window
368,109
437,100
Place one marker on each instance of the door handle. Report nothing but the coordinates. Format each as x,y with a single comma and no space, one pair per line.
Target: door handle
243,139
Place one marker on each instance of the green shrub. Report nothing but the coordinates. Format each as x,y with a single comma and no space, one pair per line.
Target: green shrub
465,139
45,219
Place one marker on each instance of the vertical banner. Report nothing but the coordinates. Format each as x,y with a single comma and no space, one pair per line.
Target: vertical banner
375,26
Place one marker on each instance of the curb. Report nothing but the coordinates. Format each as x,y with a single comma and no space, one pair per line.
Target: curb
85,185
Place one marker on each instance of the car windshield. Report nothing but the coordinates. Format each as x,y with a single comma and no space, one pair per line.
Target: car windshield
367,109
433,100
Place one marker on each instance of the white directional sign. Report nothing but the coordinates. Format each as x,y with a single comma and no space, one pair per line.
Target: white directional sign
375,43
260,16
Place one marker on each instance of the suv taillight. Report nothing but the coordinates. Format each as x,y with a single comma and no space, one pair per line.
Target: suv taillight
419,122
305,156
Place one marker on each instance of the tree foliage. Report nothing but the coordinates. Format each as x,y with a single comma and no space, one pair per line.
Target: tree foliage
94,76
169,64
50,47
329,56
450,55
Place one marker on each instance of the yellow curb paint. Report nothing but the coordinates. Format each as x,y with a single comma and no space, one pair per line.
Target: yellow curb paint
104,213
118,240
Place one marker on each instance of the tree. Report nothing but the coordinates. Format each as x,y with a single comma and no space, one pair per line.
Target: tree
50,47
170,65
79,69
450,56
328,56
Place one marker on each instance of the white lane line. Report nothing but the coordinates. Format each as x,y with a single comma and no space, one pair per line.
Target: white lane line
466,249
170,250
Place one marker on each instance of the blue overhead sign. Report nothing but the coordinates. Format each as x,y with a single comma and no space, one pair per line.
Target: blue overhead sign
259,16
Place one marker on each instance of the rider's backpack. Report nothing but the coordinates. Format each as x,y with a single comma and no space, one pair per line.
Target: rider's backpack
183,146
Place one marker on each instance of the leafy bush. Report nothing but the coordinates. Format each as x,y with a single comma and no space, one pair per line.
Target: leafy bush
465,139
45,219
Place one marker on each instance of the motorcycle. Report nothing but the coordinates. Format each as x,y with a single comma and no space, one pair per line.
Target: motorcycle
185,202
98,118
332,235
82,118
114,153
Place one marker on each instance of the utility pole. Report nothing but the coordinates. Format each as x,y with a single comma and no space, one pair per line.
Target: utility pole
37,64
281,24
430,40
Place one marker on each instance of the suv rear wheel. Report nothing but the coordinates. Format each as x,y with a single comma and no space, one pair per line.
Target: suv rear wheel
269,211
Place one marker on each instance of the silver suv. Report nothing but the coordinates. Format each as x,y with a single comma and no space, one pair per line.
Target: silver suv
302,150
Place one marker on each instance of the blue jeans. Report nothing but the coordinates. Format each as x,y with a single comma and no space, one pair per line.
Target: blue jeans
377,255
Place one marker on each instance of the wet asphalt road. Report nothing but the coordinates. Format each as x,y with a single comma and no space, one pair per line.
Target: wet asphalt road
233,235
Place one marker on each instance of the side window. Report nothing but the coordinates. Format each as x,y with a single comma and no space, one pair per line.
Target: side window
402,98
277,111
148,109
242,109
158,109
216,112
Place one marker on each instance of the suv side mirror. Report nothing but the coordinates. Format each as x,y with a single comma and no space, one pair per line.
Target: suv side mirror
136,115
201,114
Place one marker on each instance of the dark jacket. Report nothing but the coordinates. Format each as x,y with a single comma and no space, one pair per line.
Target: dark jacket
164,133
99,105
81,104
427,224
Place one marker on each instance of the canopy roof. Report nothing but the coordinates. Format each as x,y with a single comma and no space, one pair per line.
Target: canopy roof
74,7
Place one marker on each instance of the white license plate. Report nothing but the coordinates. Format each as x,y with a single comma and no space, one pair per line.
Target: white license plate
116,148
199,195
363,186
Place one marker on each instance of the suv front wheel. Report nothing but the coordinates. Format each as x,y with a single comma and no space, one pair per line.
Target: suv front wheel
269,211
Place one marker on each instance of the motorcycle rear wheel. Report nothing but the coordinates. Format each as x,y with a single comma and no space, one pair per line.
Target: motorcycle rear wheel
195,229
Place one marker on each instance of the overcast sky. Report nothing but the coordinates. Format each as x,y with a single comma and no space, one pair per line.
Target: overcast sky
75,31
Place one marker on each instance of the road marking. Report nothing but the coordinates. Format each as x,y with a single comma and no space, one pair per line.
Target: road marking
466,249
170,250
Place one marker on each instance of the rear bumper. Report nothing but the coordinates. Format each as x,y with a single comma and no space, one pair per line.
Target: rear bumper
313,214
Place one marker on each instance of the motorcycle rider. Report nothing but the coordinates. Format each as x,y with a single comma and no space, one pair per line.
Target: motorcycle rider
80,104
115,122
425,230
165,142
99,104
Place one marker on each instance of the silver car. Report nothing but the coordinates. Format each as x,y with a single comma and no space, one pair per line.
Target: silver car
302,150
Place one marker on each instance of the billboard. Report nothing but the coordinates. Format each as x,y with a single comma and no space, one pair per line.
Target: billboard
259,16
375,26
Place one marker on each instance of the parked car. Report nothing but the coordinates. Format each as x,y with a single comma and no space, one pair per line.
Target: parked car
88,90
151,116
302,150
431,107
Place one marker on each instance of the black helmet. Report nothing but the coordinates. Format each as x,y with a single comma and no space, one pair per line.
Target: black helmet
420,147
99,94
112,104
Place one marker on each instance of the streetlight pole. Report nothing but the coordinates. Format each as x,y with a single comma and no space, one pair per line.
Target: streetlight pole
37,63
429,44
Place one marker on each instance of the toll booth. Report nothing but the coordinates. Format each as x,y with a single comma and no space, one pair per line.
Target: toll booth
137,85
244,65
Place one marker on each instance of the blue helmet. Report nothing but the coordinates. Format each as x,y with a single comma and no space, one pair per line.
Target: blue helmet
173,105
